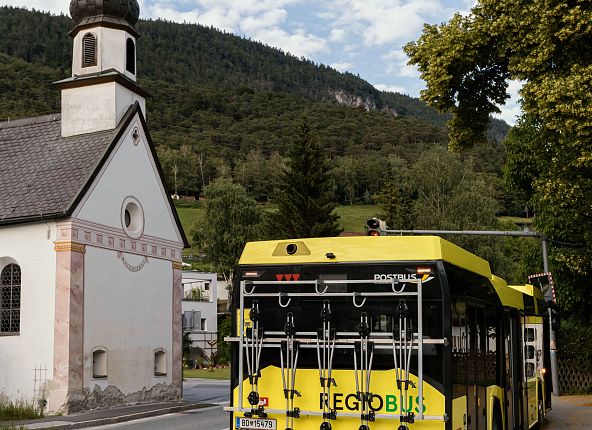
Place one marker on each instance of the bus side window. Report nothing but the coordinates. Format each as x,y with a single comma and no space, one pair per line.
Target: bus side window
493,375
529,335
459,352
529,370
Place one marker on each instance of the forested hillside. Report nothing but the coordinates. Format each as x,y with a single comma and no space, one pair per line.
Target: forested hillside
225,105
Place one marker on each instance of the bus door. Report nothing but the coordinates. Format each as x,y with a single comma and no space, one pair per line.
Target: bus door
516,371
531,364
476,367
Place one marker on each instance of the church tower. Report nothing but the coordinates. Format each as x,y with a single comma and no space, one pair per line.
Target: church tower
103,83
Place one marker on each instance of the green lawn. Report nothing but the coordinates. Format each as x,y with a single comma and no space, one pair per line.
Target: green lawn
353,218
189,217
223,373
516,219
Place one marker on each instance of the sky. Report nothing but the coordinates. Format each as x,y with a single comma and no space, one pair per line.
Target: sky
364,37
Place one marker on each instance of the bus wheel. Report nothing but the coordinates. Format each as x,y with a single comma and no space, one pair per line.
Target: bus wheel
496,422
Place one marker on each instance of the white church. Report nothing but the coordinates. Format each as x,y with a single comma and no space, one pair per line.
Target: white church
90,242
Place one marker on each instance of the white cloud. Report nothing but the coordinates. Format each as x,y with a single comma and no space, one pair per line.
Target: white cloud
262,20
53,6
390,88
382,22
396,64
299,43
342,67
337,35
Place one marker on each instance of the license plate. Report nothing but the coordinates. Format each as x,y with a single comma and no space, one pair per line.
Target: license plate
255,423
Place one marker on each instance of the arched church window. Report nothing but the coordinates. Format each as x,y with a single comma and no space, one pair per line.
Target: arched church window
89,50
10,299
130,63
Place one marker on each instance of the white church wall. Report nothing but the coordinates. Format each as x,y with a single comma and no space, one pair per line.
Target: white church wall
88,109
129,315
130,171
31,246
96,107
124,98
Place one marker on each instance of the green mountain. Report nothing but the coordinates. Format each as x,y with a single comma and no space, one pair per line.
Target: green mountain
226,105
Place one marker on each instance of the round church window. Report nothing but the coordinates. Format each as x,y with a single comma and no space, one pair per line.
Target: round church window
132,217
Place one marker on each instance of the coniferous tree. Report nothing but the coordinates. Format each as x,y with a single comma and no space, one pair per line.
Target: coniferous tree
305,195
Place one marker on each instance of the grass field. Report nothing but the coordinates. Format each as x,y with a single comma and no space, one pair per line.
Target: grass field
516,220
223,373
352,218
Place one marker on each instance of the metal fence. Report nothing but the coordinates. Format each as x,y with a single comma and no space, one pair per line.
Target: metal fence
574,379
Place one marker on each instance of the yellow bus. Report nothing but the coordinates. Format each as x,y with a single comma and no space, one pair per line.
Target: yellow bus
383,332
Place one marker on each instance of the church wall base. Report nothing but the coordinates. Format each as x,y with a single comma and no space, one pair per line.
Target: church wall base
86,400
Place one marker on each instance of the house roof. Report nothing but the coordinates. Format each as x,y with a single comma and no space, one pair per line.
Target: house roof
44,175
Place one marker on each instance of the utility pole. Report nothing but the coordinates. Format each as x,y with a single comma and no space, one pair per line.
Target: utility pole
531,234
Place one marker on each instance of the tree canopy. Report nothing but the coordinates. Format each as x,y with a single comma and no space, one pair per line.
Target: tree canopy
547,44
232,219
305,194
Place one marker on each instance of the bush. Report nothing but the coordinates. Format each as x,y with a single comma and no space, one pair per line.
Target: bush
223,355
14,411
574,344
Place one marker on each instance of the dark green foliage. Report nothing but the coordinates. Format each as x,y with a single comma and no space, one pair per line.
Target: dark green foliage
25,89
17,411
304,195
186,347
224,330
575,340
396,197
232,219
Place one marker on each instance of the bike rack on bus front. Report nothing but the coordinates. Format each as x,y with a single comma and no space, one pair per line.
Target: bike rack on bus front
343,340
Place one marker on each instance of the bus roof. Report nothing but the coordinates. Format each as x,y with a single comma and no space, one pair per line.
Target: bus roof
529,290
359,249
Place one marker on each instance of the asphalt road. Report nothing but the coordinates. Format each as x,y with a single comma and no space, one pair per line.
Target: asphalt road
570,413
195,390
212,418
206,391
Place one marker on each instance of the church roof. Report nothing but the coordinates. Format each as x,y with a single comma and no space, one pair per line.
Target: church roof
125,10
44,175
122,14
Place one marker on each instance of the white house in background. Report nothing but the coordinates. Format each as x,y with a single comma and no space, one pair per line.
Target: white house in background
200,312
90,242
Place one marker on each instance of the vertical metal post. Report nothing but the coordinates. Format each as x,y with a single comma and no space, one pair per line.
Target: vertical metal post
552,337
420,346
240,351
545,255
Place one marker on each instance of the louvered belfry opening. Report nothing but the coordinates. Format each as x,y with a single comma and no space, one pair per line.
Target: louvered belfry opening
89,50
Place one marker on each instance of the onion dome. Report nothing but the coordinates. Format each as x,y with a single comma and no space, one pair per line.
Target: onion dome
122,11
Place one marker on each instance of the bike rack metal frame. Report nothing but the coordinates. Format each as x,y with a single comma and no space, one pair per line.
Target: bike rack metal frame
343,340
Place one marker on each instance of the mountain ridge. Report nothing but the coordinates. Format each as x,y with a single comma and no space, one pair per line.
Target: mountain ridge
198,54
221,101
